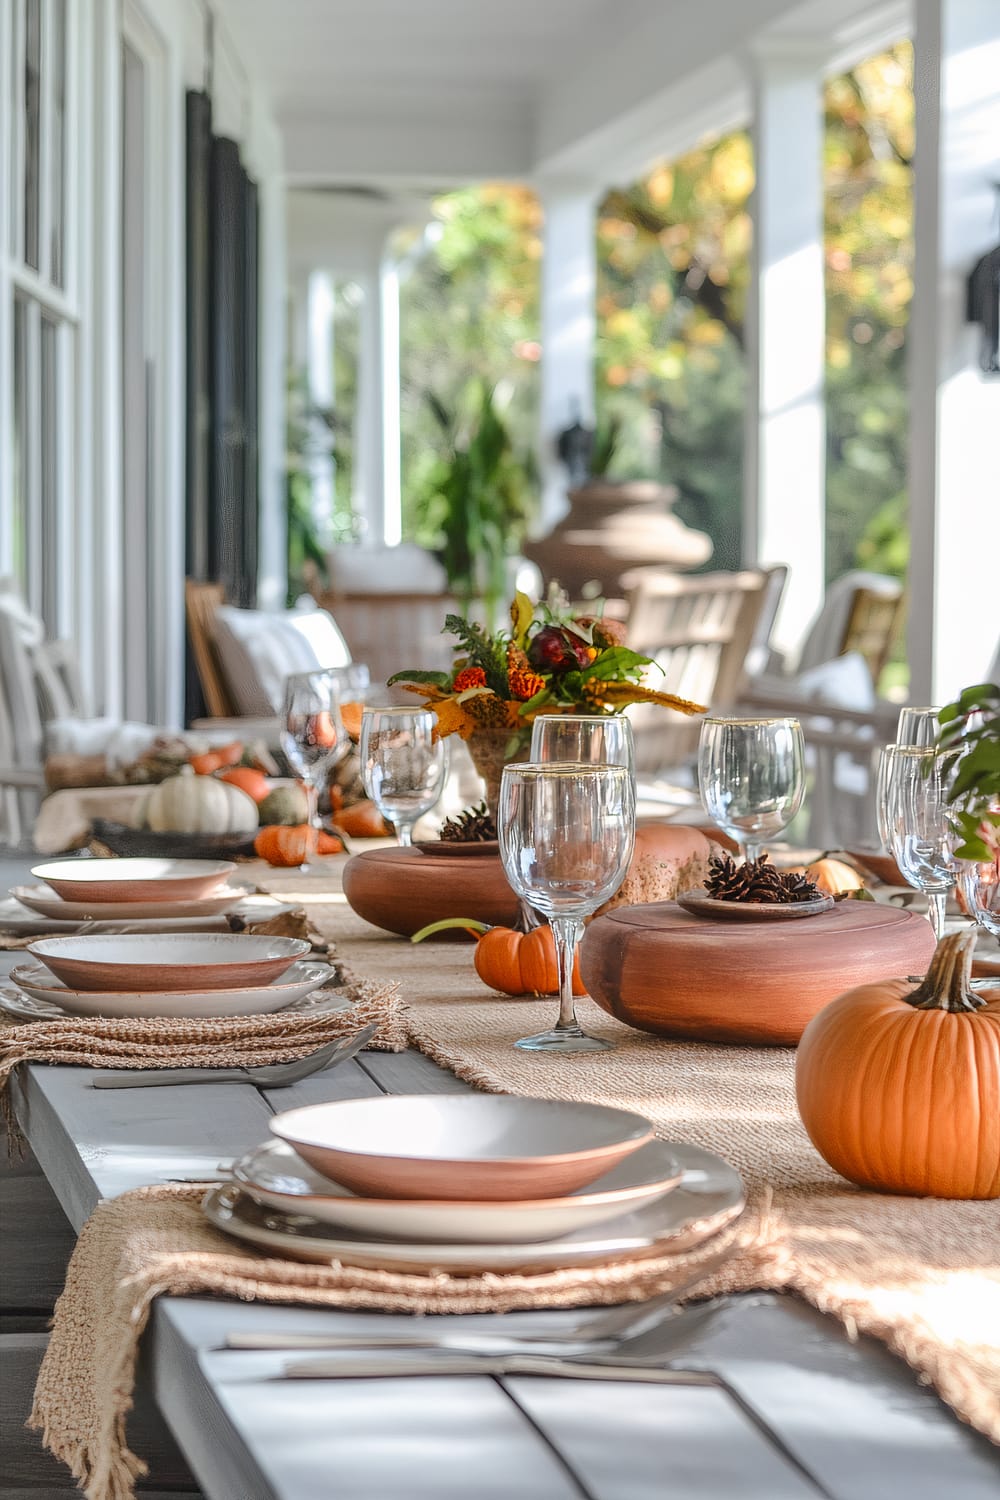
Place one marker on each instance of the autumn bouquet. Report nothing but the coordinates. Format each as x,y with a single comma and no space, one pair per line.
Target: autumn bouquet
551,660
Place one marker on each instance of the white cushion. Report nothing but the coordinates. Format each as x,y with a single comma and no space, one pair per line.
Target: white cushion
258,650
406,569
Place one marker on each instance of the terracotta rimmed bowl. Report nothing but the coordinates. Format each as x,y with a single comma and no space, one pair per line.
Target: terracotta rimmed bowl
174,961
469,1147
99,880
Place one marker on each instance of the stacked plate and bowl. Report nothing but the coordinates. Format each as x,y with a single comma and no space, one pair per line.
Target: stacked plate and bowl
166,971
470,1183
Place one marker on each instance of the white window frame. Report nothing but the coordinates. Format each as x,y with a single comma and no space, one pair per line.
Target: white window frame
42,298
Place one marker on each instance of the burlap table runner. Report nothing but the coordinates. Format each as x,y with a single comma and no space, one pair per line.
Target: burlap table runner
922,1275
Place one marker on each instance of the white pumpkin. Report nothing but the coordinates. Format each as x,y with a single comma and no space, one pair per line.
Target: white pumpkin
187,803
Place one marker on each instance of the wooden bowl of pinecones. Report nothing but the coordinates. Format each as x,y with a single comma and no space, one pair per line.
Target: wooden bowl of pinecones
749,977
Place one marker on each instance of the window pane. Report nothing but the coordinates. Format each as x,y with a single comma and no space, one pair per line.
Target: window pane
51,437
32,111
21,444
57,155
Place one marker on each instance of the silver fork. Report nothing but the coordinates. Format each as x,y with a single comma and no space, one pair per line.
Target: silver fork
271,1076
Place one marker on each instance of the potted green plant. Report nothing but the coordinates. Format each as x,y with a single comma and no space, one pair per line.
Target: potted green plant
478,501
969,742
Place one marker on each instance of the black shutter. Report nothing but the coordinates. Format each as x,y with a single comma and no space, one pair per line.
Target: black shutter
198,403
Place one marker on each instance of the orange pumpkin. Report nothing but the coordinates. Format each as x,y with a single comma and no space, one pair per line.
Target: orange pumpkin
287,846
517,960
362,820
350,717
253,782
217,758
831,875
899,1087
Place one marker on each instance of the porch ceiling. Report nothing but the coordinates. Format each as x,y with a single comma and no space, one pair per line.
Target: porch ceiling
440,91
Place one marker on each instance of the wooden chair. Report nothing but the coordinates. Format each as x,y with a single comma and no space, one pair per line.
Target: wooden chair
201,600
875,620
697,628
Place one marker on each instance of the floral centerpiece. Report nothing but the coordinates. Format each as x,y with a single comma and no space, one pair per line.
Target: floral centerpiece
551,660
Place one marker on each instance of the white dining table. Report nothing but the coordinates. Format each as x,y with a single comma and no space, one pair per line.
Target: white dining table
771,1400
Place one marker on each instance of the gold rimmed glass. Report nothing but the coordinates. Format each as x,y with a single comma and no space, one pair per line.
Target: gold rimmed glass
751,776
914,813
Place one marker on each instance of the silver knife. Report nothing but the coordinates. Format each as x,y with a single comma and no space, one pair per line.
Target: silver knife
380,1367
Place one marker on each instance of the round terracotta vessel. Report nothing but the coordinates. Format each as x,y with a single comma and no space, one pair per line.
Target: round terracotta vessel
402,890
659,968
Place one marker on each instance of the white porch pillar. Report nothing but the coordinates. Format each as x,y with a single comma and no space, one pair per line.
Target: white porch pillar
785,456
376,427
319,368
568,326
954,486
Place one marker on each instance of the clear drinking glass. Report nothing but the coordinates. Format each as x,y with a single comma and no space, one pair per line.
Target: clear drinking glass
980,884
403,764
751,776
916,818
566,835
917,726
312,736
881,803
588,739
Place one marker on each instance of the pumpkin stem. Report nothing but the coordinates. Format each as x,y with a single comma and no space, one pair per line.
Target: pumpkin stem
946,985
470,924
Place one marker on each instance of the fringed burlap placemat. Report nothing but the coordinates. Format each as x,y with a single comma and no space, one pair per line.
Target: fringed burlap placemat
156,1241
922,1275
226,1042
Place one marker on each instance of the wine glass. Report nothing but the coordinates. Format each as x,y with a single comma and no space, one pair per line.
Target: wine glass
921,835
751,776
566,835
980,881
403,764
312,737
918,727
881,801
588,739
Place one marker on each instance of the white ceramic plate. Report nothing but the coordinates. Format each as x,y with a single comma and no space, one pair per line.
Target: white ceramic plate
41,899
36,981
273,1174
709,1195
28,1008
173,961
462,1146
17,921
134,879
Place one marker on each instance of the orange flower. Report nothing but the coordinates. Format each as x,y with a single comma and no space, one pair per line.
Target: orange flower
469,677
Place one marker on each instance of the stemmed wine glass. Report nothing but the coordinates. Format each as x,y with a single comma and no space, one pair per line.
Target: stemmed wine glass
914,814
918,727
566,835
588,739
751,776
403,764
312,737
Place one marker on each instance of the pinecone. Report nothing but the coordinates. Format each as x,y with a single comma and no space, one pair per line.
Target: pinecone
799,887
728,881
765,882
474,826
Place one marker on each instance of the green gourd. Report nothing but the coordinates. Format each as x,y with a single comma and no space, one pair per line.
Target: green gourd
287,805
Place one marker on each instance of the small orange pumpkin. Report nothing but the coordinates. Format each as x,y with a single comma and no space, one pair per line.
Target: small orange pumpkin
899,1088
290,845
362,820
217,758
249,780
517,960
833,876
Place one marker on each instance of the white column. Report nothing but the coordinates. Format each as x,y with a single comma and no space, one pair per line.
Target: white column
954,614
320,383
785,458
392,483
569,280
377,499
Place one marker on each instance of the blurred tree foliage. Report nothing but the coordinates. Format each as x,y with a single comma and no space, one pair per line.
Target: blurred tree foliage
672,280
